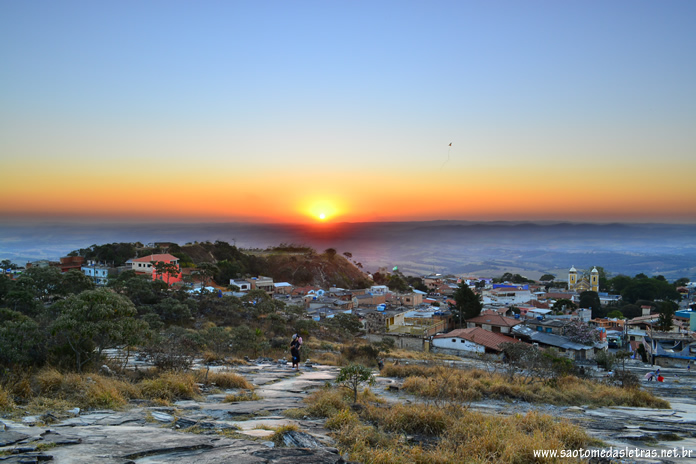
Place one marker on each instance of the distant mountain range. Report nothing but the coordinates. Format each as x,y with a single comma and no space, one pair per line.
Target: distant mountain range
460,247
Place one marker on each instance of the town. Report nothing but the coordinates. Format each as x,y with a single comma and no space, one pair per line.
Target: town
459,315
202,344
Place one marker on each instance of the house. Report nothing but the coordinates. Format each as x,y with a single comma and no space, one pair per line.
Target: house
370,300
262,283
301,291
97,272
507,296
493,322
68,263
146,266
549,326
282,288
243,285
473,340
379,290
376,321
563,345
408,299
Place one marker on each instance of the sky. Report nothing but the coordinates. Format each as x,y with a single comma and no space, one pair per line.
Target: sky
344,111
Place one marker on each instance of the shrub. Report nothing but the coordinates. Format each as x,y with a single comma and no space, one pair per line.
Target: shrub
354,375
6,402
341,419
364,354
224,380
326,403
244,396
170,386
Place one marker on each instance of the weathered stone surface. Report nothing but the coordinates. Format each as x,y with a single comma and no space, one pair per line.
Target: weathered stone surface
49,436
9,437
297,455
298,439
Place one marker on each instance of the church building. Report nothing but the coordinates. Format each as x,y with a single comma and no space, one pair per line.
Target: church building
585,283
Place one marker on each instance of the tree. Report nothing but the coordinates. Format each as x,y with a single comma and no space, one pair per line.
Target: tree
162,268
618,283
579,332
397,283
616,314
590,300
75,281
354,375
349,323
666,312
330,253
93,321
172,311
206,271
564,304
20,339
467,302
47,281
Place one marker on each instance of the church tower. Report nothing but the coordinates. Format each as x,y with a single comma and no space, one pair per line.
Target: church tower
594,279
572,278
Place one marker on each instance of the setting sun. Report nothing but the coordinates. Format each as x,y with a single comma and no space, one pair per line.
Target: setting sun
322,216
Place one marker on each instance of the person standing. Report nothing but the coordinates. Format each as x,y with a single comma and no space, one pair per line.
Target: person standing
295,352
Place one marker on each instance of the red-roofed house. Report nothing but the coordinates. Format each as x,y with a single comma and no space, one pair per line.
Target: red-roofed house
493,322
473,340
146,265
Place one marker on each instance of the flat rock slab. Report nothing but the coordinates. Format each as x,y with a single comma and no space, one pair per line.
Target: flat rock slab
128,444
9,437
297,455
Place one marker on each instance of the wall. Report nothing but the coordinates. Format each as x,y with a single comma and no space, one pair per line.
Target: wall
404,342
459,344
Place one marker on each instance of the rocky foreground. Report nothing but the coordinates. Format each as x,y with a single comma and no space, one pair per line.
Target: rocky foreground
190,431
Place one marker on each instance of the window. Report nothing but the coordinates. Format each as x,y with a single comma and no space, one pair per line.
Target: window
454,340
461,341
549,330
540,328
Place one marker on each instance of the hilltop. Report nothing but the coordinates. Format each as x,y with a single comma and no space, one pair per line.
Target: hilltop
298,265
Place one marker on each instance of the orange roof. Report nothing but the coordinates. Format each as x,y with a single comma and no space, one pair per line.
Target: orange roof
152,258
494,319
481,336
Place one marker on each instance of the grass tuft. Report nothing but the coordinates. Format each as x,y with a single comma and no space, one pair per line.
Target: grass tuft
277,437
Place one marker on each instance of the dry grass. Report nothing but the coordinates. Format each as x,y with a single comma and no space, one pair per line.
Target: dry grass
170,386
376,435
421,355
342,419
455,385
225,380
243,396
83,390
326,402
327,358
6,402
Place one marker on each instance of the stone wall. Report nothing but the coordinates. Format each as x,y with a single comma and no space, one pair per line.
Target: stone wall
405,342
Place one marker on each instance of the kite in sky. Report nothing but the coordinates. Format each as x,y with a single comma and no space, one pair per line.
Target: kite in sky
448,156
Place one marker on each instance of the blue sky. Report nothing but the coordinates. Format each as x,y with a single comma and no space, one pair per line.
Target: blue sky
524,90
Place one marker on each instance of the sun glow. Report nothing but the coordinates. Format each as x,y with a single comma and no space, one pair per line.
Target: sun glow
322,210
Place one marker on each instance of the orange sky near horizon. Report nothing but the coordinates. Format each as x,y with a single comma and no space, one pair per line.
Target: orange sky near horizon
292,196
